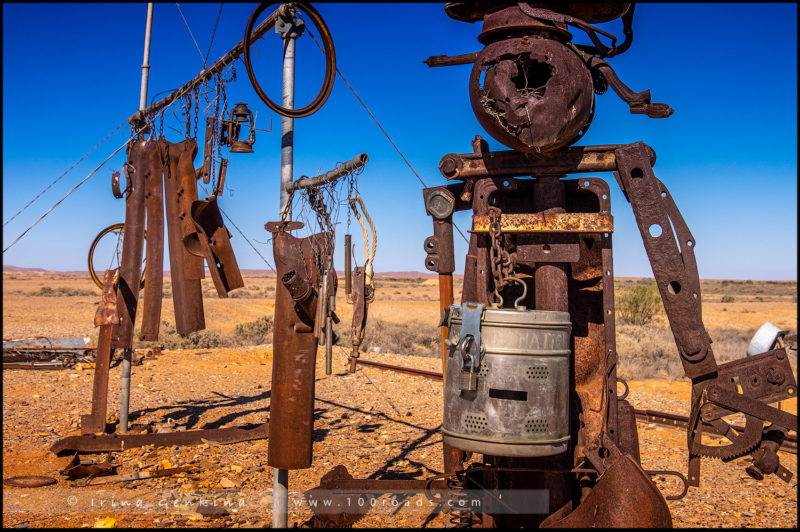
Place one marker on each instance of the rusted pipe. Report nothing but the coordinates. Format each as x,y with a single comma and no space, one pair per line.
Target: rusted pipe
205,75
331,175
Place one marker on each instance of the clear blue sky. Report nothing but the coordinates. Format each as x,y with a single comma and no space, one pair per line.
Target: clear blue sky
71,73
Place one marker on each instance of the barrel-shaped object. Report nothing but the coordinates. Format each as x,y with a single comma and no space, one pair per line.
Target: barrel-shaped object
520,406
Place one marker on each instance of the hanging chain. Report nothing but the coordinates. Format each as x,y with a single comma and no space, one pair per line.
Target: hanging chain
187,109
196,109
215,134
499,258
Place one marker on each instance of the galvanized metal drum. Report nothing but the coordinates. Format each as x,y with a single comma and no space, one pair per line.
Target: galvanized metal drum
520,402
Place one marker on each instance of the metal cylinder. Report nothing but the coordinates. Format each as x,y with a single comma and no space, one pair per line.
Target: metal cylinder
520,406
125,390
348,270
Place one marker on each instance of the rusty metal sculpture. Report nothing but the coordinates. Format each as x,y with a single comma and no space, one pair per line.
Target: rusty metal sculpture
530,357
532,89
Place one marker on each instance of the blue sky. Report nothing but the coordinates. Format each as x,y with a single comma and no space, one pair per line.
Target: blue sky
71,74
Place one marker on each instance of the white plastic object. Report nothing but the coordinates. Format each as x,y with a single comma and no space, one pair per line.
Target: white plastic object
764,339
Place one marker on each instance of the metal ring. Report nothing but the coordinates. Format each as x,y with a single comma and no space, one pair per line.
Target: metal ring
111,228
624,395
330,62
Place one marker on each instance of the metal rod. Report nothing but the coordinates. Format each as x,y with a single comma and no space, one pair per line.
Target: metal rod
280,497
280,477
445,300
348,270
328,346
205,74
125,390
331,175
146,61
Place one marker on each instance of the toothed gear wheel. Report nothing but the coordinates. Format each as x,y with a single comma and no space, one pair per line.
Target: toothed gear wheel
742,444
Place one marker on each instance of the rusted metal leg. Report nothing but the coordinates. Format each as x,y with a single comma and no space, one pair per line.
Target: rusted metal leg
105,317
445,300
154,260
186,291
294,348
359,315
130,271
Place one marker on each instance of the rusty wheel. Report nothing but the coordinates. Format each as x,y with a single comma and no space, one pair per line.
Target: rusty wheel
109,242
330,61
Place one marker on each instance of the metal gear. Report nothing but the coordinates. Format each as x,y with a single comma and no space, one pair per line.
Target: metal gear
742,444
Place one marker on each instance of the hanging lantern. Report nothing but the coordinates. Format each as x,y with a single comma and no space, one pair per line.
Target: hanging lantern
240,115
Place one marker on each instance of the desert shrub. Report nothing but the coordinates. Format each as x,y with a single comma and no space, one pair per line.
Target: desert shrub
205,339
413,338
255,332
61,291
241,293
728,299
639,305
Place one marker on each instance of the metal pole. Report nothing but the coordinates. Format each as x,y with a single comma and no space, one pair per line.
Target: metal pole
146,61
125,384
280,477
125,390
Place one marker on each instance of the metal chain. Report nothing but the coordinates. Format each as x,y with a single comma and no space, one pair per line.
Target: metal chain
196,108
188,107
499,258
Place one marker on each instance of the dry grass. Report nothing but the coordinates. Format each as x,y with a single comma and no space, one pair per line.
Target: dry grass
402,319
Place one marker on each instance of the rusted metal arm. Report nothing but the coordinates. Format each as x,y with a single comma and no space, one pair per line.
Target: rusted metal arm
139,116
450,60
331,175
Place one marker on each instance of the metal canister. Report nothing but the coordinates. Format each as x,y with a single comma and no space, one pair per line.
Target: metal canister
519,405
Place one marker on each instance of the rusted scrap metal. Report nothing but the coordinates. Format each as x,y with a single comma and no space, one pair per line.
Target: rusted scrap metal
212,241
141,475
45,353
78,468
106,318
341,170
401,369
295,347
29,481
154,256
92,443
186,270
141,156
548,223
360,307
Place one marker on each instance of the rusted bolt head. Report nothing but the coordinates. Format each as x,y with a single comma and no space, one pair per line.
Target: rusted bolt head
779,354
440,204
448,167
713,392
775,376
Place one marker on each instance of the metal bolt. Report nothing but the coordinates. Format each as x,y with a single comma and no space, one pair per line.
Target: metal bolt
775,376
448,167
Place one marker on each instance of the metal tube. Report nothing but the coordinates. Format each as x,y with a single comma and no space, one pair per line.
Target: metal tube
280,477
205,74
348,270
287,128
125,390
280,497
331,175
146,61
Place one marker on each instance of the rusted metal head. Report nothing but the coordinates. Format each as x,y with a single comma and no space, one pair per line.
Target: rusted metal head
533,94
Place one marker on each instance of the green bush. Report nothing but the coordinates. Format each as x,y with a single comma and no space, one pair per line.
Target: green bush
255,332
413,338
728,299
61,291
639,305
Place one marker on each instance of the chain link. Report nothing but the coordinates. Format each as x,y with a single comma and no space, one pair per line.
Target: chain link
196,108
499,258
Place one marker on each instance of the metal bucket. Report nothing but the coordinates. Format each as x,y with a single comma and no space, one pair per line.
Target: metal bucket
520,406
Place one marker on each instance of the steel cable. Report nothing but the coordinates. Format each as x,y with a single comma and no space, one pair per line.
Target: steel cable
191,34
339,72
65,173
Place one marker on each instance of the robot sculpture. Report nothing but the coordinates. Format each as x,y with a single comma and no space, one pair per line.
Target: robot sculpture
530,379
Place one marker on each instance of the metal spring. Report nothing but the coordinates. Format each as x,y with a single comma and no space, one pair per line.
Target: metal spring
460,514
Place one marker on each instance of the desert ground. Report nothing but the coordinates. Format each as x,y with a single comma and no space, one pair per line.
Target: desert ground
378,424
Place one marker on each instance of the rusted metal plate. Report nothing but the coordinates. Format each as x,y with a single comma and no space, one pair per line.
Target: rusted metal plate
569,222
154,256
29,481
106,313
92,443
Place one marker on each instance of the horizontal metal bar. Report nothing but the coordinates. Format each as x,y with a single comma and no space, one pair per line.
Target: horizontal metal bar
451,60
400,369
572,222
206,74
117,442
331,175
513,163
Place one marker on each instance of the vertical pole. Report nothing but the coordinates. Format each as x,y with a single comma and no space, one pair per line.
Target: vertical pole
445,300
125,390
280,477
125,384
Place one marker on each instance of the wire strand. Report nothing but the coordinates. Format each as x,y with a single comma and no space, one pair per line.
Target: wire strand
339,72
65,173
213,33
191,34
